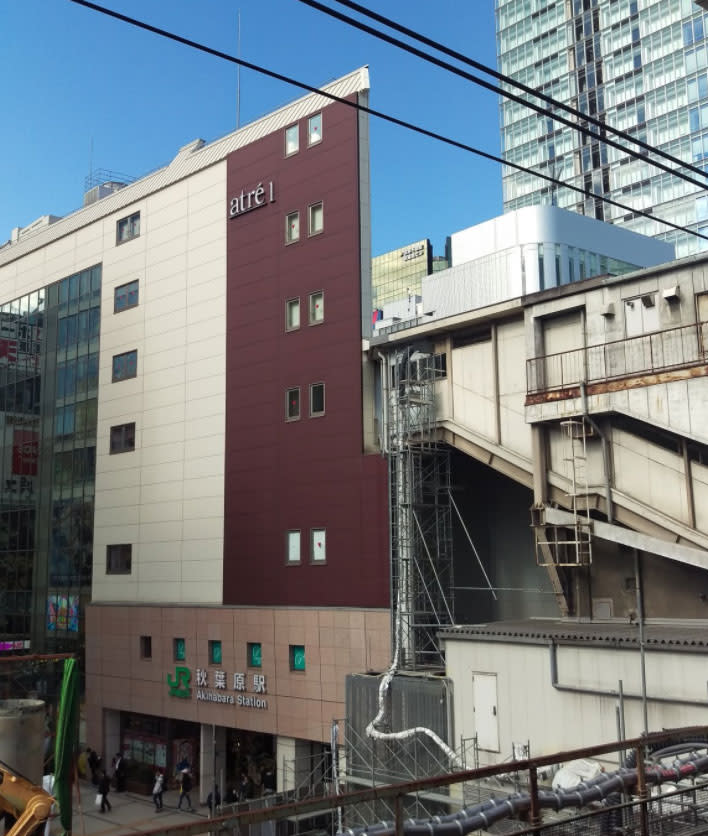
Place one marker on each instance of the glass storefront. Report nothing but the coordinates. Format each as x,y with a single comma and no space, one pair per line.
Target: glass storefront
49,343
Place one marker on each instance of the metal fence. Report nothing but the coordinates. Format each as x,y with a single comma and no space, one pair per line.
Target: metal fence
661,790
645,354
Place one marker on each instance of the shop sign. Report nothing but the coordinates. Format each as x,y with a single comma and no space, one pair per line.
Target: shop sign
412,253
220,688
252,199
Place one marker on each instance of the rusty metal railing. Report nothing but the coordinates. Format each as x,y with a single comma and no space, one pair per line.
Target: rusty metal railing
647,807
645,354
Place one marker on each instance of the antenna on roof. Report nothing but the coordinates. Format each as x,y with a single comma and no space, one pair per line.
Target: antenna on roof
238,72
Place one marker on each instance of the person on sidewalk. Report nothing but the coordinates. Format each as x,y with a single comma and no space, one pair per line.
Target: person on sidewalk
184,790
119,772
214,801
104,785
157,790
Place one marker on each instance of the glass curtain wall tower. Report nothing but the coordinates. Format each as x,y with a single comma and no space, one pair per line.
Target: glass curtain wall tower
639,65
49,344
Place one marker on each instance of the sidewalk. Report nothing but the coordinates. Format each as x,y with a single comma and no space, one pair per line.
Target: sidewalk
130,813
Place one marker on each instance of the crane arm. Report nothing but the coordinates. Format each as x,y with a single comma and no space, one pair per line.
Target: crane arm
28,803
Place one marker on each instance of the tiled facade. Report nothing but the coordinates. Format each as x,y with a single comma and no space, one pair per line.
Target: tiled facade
301,704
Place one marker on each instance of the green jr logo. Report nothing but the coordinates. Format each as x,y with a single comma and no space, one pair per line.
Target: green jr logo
179,686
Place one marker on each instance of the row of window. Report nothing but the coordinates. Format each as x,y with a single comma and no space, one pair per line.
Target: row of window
254,656
315,222
318,546
315,310
317,402
119,556
314,134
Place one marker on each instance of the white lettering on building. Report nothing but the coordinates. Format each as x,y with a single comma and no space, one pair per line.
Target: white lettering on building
251,199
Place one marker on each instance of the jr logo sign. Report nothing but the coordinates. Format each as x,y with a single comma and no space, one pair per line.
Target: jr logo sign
179,686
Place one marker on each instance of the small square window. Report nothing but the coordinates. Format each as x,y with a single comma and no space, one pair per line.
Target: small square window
146,647
318,545
315,219
292,314
314,129
292,227
292,404
179,650
125,366
125,296
254,654
316,309
119,559
297,657
292,140
214,652
317,399
293,546
122,438
128,228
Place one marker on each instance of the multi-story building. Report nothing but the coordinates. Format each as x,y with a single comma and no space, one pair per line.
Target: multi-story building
184,401
641,66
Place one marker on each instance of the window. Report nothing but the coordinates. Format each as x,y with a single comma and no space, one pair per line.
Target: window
119,559
314,129
292,404
316,307
128,228
179,650
293,546
123,438
254,654
214,652
318,545
297,657
292,227
317,399
146,647
125,365
125,296
292,140
315,219
292,314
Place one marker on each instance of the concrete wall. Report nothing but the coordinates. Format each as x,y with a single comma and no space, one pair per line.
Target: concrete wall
530,709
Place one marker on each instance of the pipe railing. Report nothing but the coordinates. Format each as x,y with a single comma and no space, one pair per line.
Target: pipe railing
644,354
643,807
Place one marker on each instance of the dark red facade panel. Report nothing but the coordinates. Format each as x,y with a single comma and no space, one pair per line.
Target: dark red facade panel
310,473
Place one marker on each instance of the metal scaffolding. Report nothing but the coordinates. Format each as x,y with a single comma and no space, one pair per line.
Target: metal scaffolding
421,510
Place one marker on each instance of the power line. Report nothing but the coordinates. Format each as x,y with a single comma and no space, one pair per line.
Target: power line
378,114
500,91
601,124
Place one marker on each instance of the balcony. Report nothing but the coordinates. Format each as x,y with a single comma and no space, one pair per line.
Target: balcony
635,361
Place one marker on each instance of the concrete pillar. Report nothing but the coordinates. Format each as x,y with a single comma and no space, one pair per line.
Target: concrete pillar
213,741
22,737
292,762
111,736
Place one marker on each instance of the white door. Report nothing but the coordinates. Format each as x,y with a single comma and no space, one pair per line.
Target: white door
562,338
484,705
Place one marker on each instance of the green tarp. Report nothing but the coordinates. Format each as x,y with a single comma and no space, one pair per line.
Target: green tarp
65,743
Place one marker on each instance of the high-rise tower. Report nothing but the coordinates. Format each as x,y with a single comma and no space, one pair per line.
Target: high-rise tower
639,65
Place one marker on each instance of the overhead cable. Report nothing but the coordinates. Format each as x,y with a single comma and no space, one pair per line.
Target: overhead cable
600,123
377,113
500,91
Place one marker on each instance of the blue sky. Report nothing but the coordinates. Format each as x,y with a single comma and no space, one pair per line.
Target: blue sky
82,91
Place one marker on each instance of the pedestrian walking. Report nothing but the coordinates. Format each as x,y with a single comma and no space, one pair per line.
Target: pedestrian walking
185,787
214,801
157,790
119,772
104,785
